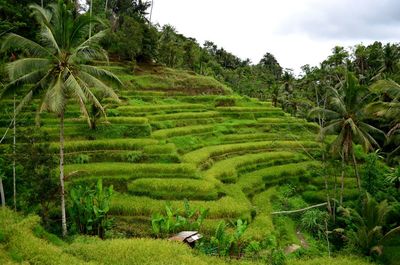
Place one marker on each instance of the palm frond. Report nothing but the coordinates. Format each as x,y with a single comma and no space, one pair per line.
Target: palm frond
93,40
30,78
73,87
91,96
55,97
332,126
101,73
25,66
15,41
49,39
90,80
318,112
389,87
89,53
42,15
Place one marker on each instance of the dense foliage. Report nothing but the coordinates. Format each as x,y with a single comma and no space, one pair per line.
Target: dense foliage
184,125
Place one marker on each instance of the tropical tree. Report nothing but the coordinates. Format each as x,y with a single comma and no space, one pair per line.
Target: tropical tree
388,108
345,114
369,233
58,69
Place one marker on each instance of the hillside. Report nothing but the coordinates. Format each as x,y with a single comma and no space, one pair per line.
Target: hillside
167,142
23,241
174,136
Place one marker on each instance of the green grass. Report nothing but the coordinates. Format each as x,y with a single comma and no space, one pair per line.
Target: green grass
225,207
157,108
201,155
249,109
340,260
132,170
127,120
172,80
109,144
255,181
185,115
170,189
226,170
262,225
256,136
24,246
180,131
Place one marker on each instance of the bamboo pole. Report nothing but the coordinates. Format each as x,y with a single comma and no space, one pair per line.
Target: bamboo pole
301,210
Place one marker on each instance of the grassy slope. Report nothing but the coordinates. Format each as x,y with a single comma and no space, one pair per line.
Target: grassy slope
175,135
22,241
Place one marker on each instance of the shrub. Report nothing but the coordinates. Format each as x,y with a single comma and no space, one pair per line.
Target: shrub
81,159
89,209
171,222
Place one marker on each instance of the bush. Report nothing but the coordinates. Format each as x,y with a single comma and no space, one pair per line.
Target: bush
89,208
191,220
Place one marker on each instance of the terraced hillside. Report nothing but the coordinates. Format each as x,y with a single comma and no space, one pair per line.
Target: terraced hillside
176,135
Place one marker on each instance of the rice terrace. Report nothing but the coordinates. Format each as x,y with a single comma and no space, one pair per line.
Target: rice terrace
124,141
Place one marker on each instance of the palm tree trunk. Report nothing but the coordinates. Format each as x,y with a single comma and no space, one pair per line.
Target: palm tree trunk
151,9
41,2
90,24
105,6
342,180
3,199
356,171
63,215
14,174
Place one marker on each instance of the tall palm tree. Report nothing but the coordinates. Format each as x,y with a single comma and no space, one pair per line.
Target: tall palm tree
58,68
388,108
345,114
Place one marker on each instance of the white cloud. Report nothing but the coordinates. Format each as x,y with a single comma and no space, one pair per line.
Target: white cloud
297,32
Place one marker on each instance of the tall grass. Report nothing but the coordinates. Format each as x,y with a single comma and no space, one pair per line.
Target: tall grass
155,108
184,115
262,224
225,207
174,189
226,170
109,144
195,129
245,137
256,181
132,170
199,156
25,247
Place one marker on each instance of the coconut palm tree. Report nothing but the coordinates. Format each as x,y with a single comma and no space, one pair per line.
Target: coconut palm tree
58,69
345,114
388,108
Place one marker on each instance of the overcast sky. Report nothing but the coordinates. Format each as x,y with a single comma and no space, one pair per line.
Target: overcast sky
297,32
